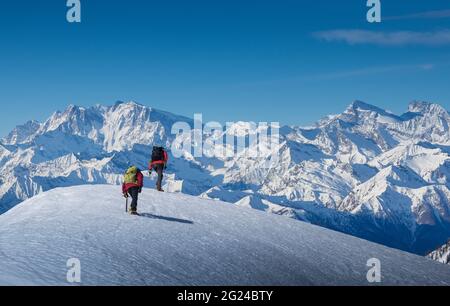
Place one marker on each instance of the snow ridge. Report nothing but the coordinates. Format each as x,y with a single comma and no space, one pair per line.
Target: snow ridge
185,240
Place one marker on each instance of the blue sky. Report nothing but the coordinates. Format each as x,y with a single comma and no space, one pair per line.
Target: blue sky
288,61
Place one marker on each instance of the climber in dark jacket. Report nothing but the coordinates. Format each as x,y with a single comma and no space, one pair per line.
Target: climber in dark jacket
158,163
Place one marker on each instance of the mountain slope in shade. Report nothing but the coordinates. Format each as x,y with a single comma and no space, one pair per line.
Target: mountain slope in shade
366,172
184,240
22,133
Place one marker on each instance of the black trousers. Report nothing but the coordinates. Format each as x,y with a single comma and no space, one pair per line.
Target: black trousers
159,168
134,193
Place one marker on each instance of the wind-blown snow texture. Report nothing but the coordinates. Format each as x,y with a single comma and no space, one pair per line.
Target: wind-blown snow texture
184,240
365,172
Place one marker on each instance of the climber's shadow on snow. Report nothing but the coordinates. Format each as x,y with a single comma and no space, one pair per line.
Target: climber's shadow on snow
170,219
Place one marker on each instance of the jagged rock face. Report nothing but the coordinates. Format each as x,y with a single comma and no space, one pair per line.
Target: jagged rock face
366,172
442,254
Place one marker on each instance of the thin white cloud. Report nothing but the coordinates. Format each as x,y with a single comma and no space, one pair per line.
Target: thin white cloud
351,73
373,70
422,15
396,38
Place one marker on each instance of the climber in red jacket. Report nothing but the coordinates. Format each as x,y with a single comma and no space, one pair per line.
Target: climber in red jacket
132,185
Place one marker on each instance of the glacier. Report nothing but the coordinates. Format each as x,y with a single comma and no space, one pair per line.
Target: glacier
366,172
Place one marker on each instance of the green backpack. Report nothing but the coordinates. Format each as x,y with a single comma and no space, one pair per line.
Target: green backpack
130,176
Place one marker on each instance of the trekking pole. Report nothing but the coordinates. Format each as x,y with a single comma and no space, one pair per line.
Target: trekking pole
126,204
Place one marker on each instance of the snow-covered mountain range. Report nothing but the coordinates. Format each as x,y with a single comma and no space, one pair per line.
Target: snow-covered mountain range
366,172
185,240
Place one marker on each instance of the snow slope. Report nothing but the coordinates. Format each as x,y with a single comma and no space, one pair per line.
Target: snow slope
184,240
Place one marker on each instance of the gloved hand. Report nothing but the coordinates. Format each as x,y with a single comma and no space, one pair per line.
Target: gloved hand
140,190
125,195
